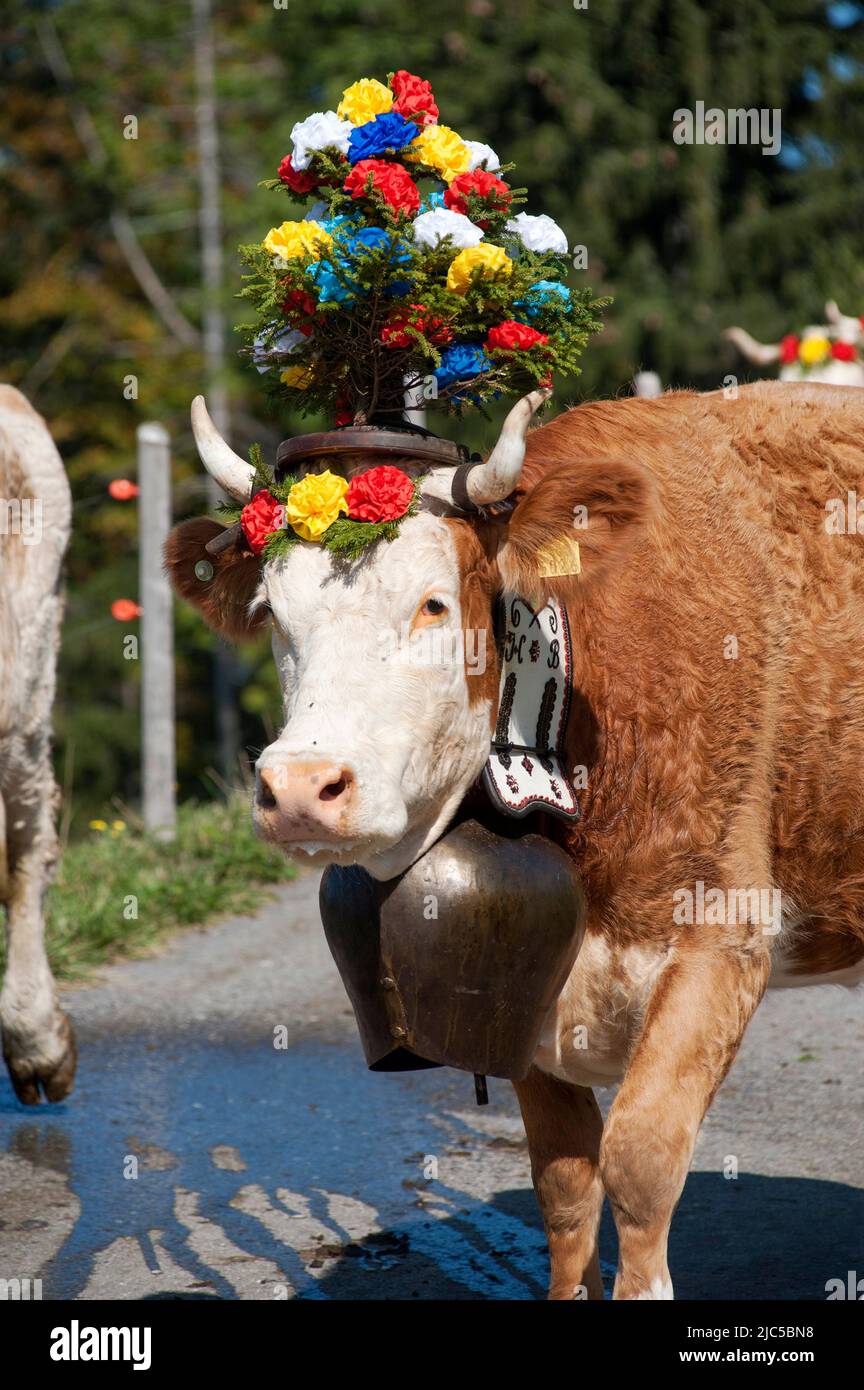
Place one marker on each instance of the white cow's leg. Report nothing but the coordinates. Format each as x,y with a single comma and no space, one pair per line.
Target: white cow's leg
38,1042
563,1124
692,1030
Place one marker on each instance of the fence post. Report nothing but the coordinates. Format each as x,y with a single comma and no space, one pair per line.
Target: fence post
158,761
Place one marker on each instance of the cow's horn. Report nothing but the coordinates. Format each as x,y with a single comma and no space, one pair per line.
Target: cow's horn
495,479
233,474
832,311
761,353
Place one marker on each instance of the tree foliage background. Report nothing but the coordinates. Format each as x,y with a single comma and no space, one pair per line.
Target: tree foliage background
687,239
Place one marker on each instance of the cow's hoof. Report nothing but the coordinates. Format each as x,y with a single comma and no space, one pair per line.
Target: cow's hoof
56,1078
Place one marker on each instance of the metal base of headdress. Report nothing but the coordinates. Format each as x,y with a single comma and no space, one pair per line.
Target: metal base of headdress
352,448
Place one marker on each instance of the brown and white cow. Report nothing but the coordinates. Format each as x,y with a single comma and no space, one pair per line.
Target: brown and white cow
35,513
718,709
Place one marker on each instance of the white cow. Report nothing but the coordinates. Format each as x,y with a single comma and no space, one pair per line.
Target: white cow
840,364
35,517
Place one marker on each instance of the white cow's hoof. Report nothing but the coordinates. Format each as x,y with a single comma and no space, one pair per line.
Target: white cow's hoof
53,1071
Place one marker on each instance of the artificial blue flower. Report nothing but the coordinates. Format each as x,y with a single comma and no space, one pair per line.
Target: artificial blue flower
342,219
332,289
461,362
386,134
373,239
348,248
433,201
543,294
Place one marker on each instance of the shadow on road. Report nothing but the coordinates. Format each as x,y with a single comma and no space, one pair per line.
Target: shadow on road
750,1238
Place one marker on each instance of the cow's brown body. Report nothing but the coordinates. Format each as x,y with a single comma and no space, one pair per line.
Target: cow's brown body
719,698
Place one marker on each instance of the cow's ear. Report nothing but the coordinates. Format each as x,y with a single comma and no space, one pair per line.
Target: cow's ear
222,597
603,506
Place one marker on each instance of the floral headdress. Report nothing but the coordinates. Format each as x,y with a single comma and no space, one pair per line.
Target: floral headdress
413,267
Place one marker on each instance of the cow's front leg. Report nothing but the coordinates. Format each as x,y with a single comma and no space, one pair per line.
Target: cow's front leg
38,1041
692,1029
563,1124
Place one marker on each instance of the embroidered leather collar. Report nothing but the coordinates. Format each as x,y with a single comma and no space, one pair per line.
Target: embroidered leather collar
526,767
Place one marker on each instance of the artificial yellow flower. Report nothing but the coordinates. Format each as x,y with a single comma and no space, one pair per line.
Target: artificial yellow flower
492,262
300,378
442,149
294,239
315,502
813,350
364,100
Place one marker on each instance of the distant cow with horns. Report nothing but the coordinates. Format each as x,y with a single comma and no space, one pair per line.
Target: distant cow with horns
827,353
718,713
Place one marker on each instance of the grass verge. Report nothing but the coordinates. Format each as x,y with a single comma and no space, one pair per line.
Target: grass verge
120,894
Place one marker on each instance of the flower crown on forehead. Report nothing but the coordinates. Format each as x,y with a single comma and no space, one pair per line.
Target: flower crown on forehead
341,515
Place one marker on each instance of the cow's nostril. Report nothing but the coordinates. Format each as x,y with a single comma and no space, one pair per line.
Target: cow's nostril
265,796
334,790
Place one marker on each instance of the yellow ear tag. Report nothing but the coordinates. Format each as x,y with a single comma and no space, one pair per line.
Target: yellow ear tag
559,557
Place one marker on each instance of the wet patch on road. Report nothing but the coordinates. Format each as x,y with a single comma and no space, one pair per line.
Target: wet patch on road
242,1171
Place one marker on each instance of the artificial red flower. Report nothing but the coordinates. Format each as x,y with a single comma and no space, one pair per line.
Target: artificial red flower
844,352
412,98
344,413
299,308
514,337
122,489
125,609
482,184
393,332
381,494
298,180
394,183
789,348
260,518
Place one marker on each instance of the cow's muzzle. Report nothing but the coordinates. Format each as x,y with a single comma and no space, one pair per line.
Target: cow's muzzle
300,802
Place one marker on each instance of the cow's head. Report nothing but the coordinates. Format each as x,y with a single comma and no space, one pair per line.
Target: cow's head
387,664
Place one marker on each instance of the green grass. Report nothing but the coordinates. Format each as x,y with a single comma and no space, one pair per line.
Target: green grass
215,866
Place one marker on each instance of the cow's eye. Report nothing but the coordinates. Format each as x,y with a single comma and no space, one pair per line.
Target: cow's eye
433,608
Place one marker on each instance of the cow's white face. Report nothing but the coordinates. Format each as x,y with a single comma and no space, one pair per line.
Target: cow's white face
387,715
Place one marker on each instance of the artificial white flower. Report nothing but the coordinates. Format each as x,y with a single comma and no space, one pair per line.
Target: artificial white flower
319,131
316,213
432,227
538,233
482,156
264,353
